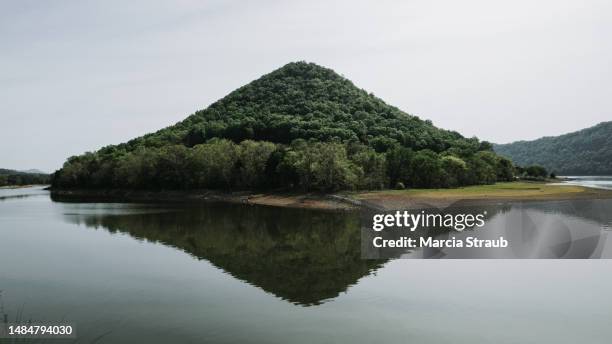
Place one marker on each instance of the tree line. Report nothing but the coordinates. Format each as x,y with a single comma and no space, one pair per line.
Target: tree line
261,165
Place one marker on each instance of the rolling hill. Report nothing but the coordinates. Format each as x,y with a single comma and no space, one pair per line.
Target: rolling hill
584,152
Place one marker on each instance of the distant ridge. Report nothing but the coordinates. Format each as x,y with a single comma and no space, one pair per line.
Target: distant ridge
584,152
13,177
34,171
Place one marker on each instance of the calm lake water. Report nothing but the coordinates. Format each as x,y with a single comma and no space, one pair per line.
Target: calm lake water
599,182
171,273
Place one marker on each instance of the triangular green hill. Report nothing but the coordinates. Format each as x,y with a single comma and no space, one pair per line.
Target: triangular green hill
302,127
304,100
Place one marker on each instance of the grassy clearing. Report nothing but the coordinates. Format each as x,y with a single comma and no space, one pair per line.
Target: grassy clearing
510,190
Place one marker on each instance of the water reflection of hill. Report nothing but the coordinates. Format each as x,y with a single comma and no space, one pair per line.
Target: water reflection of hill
307,257
302,256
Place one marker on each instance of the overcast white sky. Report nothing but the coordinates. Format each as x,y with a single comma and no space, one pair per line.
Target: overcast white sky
78,75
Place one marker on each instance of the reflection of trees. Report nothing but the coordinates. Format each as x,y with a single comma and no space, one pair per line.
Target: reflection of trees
301,256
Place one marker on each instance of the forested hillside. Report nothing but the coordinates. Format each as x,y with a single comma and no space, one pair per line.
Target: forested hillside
12,177
584,152
300,127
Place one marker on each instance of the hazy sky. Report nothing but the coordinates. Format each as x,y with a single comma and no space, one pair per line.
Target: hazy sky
78,75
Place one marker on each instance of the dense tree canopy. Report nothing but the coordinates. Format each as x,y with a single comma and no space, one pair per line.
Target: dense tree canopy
585,152
303,101
302,165
300,127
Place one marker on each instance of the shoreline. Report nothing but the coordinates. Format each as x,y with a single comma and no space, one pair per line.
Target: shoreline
281,200
11,187
346,201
